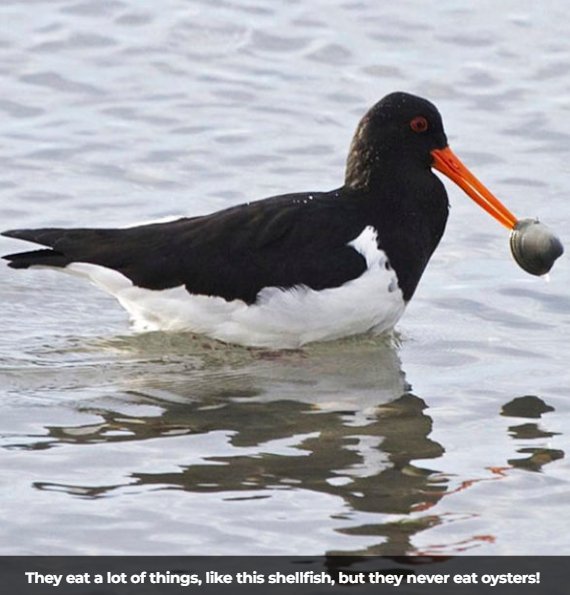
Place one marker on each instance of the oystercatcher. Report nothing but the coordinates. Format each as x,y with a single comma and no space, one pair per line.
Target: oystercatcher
290,269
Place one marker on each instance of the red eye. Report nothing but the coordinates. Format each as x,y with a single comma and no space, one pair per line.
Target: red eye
419,124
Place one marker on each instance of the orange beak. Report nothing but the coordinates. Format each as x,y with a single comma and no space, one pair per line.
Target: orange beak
445,161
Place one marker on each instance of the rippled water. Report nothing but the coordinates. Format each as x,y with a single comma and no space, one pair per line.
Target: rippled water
450,438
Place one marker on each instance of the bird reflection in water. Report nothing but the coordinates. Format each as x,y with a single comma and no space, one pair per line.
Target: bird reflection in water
337,419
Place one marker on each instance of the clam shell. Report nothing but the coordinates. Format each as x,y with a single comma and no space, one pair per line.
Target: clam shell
534,246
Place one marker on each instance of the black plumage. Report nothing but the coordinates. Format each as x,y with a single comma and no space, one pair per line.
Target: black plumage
288,240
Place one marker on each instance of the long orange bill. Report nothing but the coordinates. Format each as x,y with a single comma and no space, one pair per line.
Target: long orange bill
445,161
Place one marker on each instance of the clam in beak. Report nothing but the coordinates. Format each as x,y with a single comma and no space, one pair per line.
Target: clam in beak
445,161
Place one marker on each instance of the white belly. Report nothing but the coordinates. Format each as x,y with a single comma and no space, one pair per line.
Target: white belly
280,318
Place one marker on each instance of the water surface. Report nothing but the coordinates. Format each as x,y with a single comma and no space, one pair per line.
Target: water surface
449,438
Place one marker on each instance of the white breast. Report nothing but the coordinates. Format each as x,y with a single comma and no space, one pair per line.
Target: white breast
280,318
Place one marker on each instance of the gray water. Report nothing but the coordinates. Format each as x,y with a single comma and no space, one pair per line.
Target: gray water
449,438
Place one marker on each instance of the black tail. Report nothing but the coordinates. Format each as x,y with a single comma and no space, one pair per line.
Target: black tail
44,257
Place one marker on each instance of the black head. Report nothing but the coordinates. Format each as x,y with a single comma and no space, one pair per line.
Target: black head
400,130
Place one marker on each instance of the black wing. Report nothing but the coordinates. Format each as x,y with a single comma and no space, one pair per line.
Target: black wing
281,241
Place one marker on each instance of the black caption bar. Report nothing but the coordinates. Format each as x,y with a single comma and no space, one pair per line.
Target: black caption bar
208,575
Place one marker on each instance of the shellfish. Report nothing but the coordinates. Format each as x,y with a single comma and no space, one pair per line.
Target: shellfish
534,246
